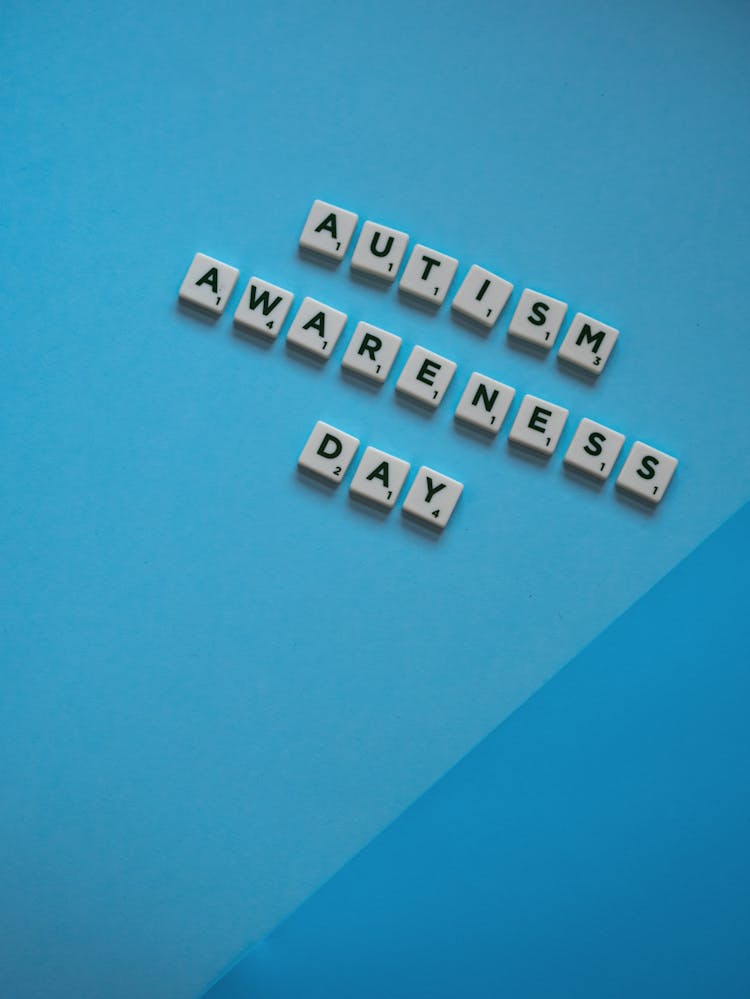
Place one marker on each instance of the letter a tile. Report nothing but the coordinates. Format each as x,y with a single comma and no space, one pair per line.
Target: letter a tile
208,284
328,230
379,478
316,328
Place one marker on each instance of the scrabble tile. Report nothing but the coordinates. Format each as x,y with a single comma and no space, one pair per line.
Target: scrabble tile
428,274
425,377
328,230
646,472
482,296
316,328
484,403
587,344
379,250
379,478
432,497
537,319
371,352
594,449
538,425
208,284
328,452
263,308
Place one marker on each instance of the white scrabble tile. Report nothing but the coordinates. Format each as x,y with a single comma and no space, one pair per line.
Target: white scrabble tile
371,352
379,250
428,274
594,449
328,452
537,319
484,403
646,472
379,477
208,284
328,230
316,328
263,308
538,424
482,296
587,344
425,377
432,497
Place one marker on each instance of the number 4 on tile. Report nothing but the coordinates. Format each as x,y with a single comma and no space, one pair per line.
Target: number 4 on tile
432,497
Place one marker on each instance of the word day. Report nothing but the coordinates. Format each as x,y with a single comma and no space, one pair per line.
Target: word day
484,404
481,297
380,476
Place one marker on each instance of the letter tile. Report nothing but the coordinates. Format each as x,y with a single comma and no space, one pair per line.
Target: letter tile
428,274
328,452
328,230
379,478
538,425
316,328
208,284
646,472
482,296
371,352
537,319
379,251
425,377
484,403
263,308
432,497
594,449
587,344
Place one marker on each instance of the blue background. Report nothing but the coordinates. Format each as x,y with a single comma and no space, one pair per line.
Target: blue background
593,845
218,683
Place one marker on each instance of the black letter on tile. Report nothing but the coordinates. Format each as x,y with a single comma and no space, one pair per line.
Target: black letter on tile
330,439
318,322
593,338
488,400
537,308
595,440
429,368
430,262
328,224
374,245
262,300
431,490
539,418
370,345
381,472
210,277
483,289
649,463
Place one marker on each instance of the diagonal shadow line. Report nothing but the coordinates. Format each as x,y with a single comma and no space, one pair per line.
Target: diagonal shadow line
248,950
